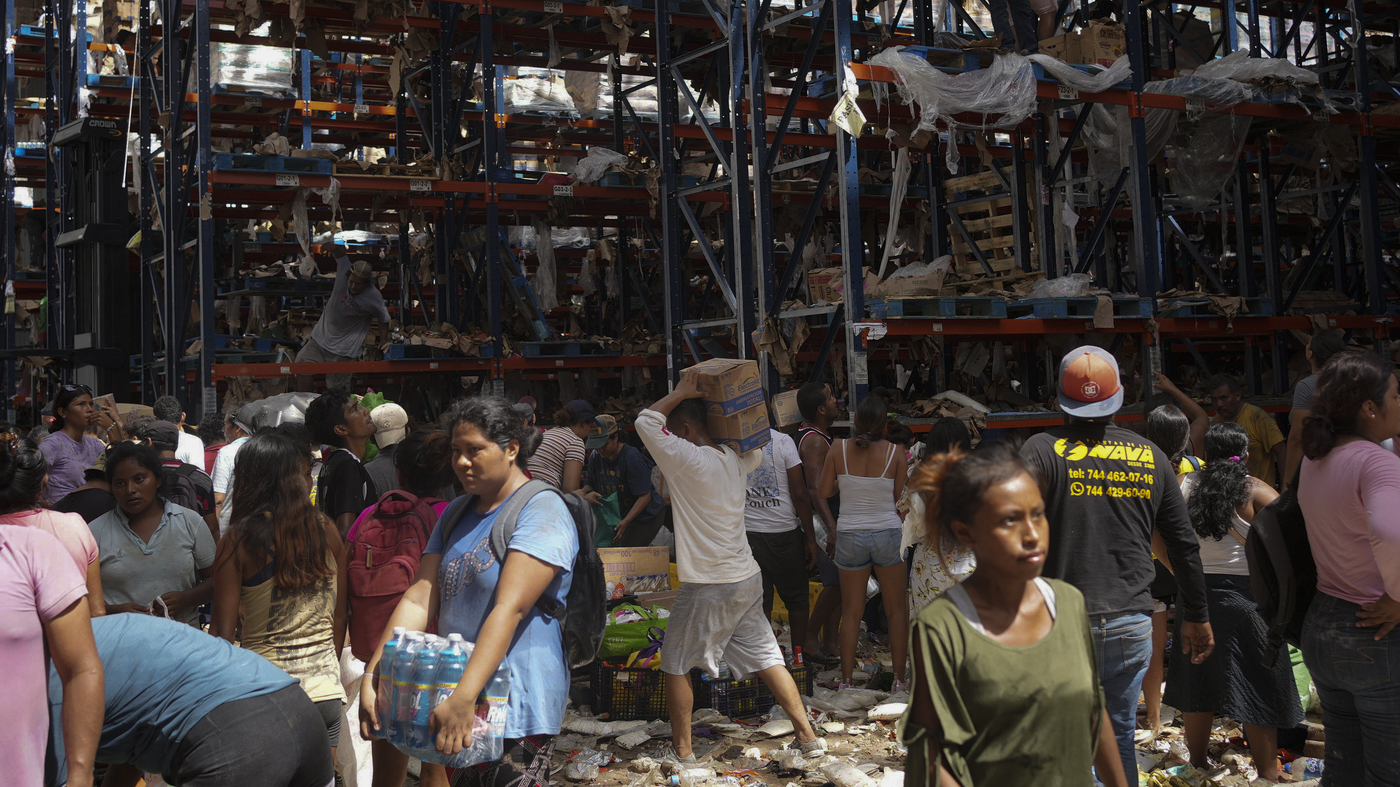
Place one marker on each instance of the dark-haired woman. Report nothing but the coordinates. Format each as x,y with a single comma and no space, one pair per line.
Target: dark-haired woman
69,449
280,564
1222,500
869,473
1349,490
1005,686
23,472
1176,434
559,459
156,556
939,561
491,599
423,466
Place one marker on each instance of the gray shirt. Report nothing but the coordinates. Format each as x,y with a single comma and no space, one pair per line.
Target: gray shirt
1303,393
136,571
345,321
381,470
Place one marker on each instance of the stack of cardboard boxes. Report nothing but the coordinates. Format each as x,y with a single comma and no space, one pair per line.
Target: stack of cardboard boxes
734,403
1101,43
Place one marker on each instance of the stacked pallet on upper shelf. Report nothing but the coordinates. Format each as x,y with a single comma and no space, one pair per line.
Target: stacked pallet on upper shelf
983,206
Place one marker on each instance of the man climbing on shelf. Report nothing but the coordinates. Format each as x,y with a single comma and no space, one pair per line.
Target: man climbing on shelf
340,333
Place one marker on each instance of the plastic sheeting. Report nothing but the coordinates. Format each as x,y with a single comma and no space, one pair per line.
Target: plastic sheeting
1004,94
899,184
598,161
537,90
255,69
287,408
545,281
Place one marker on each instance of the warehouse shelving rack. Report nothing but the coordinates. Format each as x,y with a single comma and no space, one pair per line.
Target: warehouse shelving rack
709,270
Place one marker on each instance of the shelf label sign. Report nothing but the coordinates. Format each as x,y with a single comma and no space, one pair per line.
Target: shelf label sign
252,101
553,7
563,191
1068,92
362,109
288,180
419,185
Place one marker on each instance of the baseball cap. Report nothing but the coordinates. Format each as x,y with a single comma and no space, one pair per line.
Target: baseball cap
363,269
604,427
1089,385
390,424
162,432
98,467
580,410
523,410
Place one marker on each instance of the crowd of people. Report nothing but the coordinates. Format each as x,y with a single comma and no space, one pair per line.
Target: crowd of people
180,603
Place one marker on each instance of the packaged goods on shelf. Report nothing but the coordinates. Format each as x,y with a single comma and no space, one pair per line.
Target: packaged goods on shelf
537,91
254,69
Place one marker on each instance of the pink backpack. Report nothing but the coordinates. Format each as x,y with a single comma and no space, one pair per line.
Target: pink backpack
384,558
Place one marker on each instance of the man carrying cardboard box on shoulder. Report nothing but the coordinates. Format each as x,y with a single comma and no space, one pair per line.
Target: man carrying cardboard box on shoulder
718,612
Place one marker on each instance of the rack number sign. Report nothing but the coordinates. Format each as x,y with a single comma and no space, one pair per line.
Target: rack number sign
1068,92
362,109
563,191
252,101
553,8
288,180
419,185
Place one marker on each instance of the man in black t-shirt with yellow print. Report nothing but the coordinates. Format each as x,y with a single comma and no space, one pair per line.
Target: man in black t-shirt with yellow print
1108,491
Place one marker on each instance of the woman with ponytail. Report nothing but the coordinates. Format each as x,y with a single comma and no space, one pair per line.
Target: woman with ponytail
868,531
24,473
1005,687
1349,492
1222,499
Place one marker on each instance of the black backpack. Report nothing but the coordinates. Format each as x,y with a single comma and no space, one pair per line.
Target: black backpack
1282,574
181,489
584,611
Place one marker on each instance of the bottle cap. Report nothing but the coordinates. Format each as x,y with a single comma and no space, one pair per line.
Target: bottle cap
398,631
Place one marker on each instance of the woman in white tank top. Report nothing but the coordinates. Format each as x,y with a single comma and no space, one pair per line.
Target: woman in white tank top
869,472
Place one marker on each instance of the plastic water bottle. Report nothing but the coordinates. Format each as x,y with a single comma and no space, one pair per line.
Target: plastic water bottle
423,685
451,664
491,706
384,694
408,648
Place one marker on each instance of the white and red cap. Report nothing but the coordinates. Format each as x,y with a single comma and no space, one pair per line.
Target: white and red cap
1089,383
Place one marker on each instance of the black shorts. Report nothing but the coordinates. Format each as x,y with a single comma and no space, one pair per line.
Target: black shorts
782,557
276,740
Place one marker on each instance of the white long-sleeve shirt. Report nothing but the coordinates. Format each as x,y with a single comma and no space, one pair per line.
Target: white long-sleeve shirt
707,488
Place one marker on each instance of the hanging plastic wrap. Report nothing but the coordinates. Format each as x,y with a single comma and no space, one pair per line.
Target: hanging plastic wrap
537,91
1203,157
287,408
255,69
1270,74
545,281
899,184
598,161
1004,94
564,238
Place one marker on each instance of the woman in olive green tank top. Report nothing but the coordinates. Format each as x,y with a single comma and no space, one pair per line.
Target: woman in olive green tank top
1005,689
280,564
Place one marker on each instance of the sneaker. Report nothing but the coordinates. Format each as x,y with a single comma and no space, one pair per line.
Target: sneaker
816,747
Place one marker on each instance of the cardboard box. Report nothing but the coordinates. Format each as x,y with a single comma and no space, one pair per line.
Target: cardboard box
1064,47
1102,43
825,285
785,412
744,431
728,385
911,286
620,563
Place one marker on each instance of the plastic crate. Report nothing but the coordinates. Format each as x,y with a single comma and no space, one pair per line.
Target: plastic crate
745,698
627,694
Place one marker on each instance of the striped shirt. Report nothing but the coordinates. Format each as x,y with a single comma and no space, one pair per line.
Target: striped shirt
559,445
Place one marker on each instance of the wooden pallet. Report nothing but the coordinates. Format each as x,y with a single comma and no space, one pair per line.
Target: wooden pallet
255,163
1047,308
975,306
1200,307
564,349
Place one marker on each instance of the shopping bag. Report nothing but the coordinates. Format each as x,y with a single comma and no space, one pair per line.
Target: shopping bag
605,518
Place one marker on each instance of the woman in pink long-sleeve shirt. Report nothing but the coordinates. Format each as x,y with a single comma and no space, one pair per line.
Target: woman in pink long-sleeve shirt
1349,491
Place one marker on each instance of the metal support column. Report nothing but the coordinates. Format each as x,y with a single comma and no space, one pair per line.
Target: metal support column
852,250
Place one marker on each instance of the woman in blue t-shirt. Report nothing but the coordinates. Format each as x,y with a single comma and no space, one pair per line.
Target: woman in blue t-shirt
462,585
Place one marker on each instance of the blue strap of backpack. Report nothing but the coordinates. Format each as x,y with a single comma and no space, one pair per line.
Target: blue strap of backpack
503,528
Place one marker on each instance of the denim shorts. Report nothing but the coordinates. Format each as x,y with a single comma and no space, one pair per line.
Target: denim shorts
858,549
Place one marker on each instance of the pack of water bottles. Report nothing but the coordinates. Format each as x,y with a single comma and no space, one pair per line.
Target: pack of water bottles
421,670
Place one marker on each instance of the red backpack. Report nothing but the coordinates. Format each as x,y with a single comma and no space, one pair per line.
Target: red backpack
384,559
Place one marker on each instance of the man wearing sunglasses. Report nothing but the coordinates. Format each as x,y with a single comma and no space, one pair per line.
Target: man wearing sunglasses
340,333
